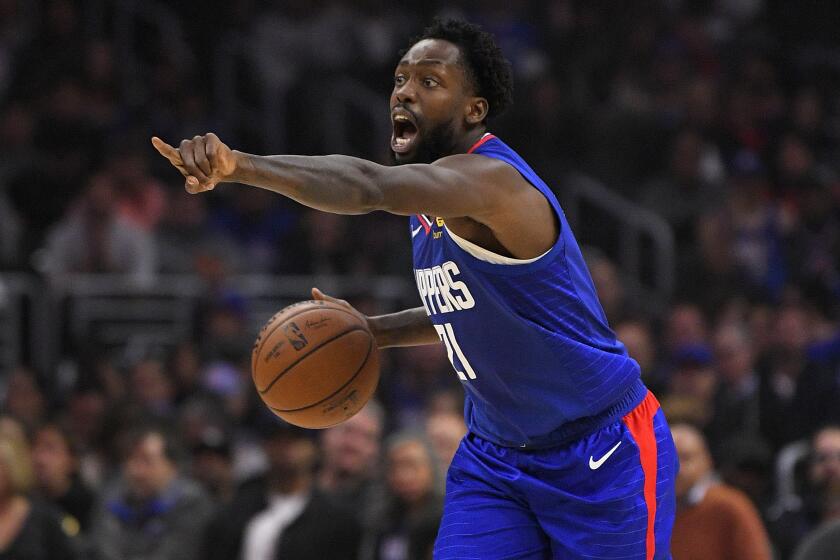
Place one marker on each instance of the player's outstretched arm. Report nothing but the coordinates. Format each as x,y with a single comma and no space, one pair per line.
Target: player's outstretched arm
484,190
411,327
456,186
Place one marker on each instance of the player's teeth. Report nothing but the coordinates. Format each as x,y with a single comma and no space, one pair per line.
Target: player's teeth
401,141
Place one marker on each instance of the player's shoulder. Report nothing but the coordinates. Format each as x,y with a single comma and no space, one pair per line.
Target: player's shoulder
482,169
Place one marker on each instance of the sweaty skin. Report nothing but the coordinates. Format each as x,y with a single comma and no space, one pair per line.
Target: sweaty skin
483,200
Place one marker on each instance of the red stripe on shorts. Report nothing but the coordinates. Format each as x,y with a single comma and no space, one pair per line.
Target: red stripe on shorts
640,423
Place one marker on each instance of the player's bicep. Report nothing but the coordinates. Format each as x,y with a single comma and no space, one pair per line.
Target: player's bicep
438,190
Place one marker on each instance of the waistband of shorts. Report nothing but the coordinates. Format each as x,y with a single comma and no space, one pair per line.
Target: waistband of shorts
576,429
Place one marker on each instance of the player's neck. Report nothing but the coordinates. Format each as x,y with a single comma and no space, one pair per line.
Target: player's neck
469,139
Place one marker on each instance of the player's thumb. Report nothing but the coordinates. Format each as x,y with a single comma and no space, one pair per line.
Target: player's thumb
321,296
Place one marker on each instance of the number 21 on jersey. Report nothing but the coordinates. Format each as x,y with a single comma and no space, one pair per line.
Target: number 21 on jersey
447,335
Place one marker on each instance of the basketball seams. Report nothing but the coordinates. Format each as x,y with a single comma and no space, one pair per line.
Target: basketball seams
337,391
264,336
312,351
261,338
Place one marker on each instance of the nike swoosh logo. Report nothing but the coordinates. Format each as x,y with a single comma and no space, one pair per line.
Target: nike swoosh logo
594,465
414,232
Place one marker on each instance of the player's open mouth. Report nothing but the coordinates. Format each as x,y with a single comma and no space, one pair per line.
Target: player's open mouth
405,131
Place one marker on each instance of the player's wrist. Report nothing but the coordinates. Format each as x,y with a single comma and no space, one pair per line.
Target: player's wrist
241,163
377,330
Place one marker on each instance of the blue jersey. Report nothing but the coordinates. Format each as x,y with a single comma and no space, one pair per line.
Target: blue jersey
528,339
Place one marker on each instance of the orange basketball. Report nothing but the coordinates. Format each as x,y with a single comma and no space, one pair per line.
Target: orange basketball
315,364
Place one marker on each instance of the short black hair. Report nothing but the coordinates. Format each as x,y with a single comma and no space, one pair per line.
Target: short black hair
484,64
136,435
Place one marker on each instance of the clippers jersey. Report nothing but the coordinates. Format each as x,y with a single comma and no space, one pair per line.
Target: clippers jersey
528,340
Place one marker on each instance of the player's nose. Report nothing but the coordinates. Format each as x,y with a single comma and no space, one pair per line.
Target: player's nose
405,93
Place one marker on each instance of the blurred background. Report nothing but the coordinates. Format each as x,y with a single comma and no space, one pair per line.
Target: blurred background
693,144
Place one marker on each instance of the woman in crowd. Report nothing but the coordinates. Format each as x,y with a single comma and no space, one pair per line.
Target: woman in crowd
408,523
28,530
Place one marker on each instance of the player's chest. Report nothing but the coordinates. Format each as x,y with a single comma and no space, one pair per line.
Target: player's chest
427,239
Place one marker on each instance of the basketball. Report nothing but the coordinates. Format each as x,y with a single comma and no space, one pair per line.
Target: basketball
315,364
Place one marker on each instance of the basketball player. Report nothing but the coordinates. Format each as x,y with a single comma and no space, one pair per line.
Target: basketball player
568,454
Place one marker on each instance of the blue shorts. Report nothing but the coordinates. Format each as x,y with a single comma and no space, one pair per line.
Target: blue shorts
609,495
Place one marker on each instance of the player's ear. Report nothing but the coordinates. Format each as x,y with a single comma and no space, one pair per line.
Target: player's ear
476,110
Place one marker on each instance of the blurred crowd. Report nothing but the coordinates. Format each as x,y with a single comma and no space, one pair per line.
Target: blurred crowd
721,116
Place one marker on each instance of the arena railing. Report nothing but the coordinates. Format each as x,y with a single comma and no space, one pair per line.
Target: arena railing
641,241
43,322
24,321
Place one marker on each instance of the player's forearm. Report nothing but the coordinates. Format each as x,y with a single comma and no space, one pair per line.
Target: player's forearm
411,327
337,184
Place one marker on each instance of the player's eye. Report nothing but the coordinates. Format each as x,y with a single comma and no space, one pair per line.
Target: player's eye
399,80
430,82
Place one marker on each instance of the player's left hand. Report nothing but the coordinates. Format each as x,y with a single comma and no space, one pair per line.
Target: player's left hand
205,161
318,295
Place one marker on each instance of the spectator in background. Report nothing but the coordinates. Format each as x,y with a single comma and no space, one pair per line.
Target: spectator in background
708,273
184,364
797,396
31,530
822,544
445,430
820,504
224,321
691,387
685,326
13,434
407,524
690,187
141,199
203,414
713,520
736,401
152,513
321,244
212,465
281,514
608,285
151,389
637,337
350,462
758,227
747,463
184,237
92,237
424,371
24,399
57,480
101,82
85,417
814,247
258,224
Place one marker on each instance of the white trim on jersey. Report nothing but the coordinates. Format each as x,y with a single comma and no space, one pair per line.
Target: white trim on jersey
483,254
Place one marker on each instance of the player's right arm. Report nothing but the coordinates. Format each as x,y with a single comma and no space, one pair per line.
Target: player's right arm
471,191
410,327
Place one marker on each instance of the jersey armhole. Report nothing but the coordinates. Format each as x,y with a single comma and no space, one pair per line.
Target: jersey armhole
487,255
494,262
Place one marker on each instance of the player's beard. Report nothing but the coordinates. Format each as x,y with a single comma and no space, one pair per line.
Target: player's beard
430,146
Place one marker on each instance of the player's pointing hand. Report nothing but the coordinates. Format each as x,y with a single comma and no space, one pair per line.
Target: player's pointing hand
205,161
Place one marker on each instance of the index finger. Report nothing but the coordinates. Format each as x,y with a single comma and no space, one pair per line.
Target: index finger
167,151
